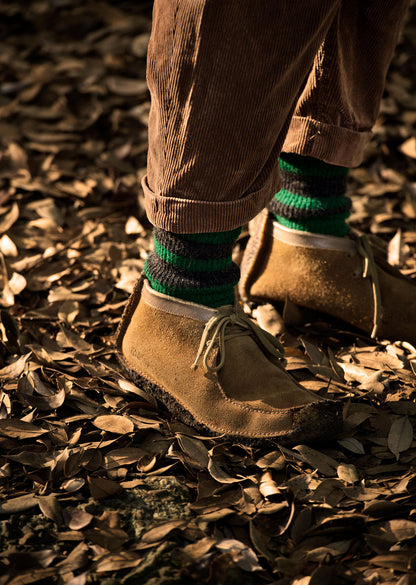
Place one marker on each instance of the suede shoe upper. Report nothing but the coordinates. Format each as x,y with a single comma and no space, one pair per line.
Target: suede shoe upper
218,371
341,277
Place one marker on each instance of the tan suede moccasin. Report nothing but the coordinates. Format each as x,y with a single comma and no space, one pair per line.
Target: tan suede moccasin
218,371
342,277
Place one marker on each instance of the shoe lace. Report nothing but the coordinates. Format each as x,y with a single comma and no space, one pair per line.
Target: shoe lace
370,270
230,321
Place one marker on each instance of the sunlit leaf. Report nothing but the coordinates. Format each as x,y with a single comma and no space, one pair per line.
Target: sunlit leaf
400,436
114,424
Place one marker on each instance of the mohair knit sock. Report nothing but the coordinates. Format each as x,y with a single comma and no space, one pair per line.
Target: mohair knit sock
312,197
194,267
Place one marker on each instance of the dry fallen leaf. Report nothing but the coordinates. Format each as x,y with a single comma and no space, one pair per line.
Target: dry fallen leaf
352,444
18,504
400,436
399,530
408,147
348,473
159,532
394,252
326,465
119,457
114,562
242,555
114,423
51,508
267,486
20,429
101,487
75,518
272,460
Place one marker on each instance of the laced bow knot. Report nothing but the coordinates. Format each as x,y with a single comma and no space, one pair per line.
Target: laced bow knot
230,321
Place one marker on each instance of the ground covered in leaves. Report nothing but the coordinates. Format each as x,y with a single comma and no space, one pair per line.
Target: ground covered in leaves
99,485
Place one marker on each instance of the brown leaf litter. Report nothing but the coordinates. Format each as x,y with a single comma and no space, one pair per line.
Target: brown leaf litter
97,483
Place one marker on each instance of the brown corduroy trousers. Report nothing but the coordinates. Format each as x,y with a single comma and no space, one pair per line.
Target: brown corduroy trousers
234,82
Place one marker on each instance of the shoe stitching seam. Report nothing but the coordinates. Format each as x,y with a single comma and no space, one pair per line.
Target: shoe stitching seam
268,434
288,410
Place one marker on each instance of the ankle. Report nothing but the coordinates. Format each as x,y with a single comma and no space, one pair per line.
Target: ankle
313,196
194,267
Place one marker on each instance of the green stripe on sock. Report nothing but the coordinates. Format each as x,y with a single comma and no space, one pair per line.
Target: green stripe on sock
316,225
310,167
191,264
300,202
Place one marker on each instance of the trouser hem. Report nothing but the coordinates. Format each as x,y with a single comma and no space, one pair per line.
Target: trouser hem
332,144
187,216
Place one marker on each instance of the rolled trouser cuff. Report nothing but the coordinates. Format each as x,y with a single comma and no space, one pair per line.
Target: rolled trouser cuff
190,216
332,144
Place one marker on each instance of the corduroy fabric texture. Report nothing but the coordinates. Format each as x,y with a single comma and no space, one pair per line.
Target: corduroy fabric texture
228,93
312,197
194,267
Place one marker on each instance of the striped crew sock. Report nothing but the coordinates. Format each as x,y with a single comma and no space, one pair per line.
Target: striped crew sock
194,267
312,197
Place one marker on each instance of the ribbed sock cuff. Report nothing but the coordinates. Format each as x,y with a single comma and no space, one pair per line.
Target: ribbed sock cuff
309,166
194,267
312,196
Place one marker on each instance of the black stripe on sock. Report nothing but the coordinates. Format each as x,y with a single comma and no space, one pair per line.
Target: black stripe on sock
295,213
313,187
176,277
196,250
